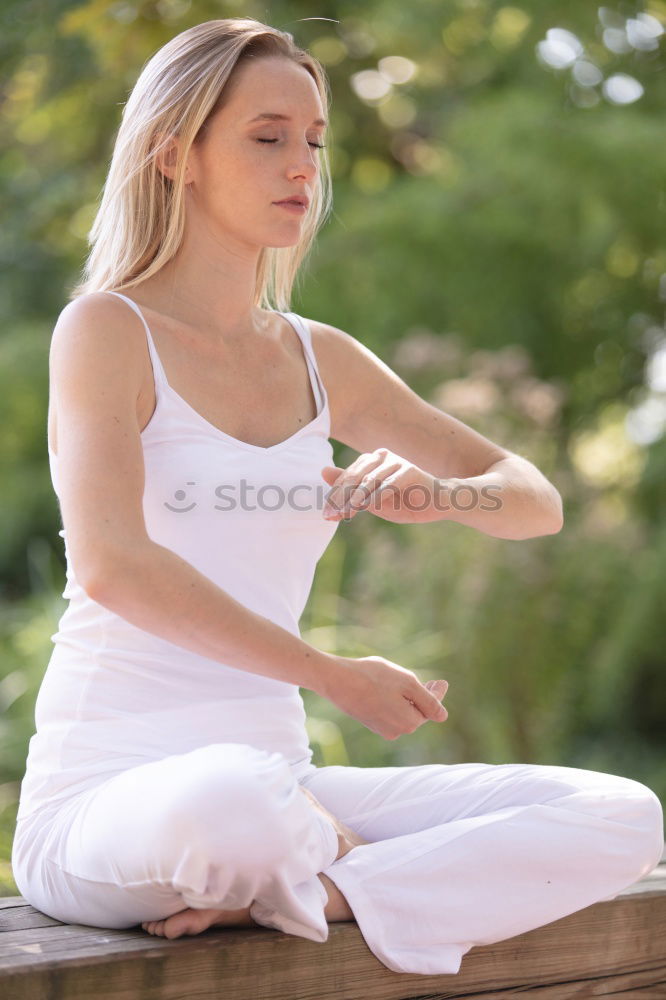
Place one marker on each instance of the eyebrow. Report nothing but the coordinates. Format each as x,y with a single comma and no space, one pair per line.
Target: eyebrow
275,116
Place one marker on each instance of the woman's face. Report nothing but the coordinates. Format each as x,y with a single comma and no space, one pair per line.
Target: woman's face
244,163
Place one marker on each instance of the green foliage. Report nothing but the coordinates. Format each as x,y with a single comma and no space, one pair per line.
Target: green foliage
497,237
549,644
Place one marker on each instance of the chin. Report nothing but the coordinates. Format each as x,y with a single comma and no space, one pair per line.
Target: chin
284,242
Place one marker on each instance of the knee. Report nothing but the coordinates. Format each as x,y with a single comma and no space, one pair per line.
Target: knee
233,796
639,812
649,821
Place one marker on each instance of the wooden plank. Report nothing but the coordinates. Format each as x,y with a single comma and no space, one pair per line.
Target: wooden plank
25,920
614,946
7,902
637,986
24,917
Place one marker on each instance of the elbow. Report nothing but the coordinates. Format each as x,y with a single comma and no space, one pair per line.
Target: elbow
555,520
103,578
97,586
553,528
542,516
99,582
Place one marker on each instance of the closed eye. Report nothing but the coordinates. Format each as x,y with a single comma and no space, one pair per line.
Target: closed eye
316,145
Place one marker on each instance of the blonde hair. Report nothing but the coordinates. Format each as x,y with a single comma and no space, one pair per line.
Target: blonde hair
140,222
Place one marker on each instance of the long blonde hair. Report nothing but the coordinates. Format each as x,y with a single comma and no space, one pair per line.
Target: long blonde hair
140,222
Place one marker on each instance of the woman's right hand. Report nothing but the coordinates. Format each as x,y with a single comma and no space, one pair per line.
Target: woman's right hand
386,698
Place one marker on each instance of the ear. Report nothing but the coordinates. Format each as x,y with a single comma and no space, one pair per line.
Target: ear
166,156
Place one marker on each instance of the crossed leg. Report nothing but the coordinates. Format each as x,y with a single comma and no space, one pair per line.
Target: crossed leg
192,921
221,828
226,826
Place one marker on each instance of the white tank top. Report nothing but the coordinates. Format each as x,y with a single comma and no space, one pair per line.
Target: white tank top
251,519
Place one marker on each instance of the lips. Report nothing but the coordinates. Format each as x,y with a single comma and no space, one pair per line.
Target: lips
296,200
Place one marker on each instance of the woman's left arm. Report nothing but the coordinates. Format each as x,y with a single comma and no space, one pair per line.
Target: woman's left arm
418,463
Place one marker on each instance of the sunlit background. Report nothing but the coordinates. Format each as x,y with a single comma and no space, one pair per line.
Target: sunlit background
498,238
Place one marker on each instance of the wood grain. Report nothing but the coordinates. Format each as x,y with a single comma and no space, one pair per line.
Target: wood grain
615,947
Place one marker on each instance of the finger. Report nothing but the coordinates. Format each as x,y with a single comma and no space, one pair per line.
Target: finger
369,490
338,498
429,706
388,495
358,500
364,494
331,472
334,476
439,688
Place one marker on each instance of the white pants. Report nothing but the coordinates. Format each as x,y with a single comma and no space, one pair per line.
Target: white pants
460,854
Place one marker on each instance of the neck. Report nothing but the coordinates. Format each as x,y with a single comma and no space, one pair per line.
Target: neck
210,285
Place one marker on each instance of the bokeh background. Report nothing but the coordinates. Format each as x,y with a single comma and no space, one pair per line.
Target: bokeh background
498,238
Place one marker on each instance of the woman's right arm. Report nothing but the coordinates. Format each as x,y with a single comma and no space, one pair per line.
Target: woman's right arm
96,360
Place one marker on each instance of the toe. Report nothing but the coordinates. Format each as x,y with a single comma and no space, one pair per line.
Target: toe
174,929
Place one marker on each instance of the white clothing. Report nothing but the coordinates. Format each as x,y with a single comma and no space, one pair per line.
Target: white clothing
459,854
158,779
115,696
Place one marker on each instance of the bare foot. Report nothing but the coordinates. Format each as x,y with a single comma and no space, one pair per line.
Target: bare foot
337,907
347,838
190,921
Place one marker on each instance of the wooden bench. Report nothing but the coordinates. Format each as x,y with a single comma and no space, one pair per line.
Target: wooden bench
615,947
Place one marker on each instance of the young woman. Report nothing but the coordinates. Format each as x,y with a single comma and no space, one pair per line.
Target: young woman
169,783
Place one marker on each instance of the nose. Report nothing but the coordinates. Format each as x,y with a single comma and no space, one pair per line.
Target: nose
305,164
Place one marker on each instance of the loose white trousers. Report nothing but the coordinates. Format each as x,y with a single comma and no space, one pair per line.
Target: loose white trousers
459,854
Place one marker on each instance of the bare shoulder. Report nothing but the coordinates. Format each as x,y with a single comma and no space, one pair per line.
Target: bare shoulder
331,342
95,374
100,319
373,407
345,355
97,352
352,373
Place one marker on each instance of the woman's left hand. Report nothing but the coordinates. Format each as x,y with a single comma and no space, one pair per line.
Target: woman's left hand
387,485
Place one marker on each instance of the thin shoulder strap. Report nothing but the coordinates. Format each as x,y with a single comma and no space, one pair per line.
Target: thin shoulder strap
158,370
310,356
